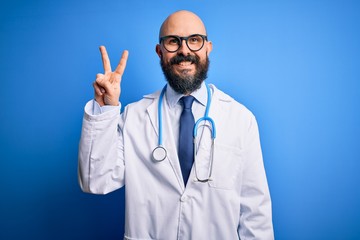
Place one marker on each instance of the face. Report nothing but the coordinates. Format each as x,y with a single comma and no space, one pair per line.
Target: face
184,69
178,74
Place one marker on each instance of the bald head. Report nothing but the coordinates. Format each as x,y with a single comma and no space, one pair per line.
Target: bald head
182,23
185,66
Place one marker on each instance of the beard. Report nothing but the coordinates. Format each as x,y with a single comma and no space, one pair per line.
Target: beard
185,83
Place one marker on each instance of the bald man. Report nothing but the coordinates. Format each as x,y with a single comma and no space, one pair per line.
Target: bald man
177,189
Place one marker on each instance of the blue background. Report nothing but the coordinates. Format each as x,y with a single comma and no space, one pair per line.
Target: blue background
295,64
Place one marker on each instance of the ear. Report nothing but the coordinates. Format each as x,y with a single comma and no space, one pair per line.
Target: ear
209,47
158,50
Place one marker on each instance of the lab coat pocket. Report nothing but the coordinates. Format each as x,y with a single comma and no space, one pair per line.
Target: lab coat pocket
227,167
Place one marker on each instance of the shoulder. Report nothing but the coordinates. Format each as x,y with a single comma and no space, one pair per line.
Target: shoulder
228,103
144,103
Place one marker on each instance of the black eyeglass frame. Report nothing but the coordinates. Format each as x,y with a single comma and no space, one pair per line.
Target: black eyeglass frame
204,37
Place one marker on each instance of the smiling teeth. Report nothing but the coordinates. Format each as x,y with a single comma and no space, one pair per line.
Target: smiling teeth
185,63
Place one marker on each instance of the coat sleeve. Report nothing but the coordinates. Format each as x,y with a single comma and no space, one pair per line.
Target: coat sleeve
255,208
101,160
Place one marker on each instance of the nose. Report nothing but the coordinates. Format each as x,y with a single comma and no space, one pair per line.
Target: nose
184,49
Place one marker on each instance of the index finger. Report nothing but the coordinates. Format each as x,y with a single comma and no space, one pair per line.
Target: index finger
105,59
122,64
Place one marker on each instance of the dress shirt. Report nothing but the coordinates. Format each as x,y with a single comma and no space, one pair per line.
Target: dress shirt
115,150
172,111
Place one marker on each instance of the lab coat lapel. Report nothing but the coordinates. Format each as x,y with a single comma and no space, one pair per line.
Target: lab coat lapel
204,148
167,135
219,106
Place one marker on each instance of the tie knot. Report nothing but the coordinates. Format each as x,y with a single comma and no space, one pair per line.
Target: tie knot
187,101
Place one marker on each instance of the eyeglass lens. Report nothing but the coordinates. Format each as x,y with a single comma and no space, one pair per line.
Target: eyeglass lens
173,43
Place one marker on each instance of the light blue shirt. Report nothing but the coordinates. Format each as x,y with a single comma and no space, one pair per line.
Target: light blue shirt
173,108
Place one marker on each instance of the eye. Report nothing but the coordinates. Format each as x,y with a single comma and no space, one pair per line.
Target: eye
195,39
172,41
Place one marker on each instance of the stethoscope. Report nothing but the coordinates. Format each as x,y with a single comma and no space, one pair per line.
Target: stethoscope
159,153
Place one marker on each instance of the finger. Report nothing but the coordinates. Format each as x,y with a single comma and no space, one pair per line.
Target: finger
105,59
100,78
122,64
98,89
104,83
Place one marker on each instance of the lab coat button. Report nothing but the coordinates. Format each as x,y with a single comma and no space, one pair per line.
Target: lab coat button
184,198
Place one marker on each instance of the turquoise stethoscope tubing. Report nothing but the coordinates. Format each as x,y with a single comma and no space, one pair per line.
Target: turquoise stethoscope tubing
160,153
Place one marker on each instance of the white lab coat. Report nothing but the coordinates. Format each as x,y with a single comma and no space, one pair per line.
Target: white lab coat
115,150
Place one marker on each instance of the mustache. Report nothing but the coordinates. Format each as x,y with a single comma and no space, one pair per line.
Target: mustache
182,58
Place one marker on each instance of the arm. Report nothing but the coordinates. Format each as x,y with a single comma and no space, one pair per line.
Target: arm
255,208
101,163
101,160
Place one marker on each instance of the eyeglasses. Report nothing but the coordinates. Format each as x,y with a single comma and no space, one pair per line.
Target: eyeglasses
172,43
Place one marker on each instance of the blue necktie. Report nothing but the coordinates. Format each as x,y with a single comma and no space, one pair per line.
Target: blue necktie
186,146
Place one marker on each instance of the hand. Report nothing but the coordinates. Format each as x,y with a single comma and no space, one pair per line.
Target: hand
107,85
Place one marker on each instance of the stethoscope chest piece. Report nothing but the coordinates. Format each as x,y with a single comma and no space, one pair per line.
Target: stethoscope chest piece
159,154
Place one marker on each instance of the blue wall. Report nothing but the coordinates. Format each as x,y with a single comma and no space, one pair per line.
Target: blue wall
295,64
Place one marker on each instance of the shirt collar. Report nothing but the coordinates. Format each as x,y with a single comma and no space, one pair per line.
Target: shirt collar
173,97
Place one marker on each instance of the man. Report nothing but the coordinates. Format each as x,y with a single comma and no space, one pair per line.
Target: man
220,192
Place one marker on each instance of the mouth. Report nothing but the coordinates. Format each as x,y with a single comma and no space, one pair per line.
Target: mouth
185,67
185,64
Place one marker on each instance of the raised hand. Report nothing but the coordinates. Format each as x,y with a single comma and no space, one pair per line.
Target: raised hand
107,84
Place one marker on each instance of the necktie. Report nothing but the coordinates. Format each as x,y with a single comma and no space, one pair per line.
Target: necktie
186,146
